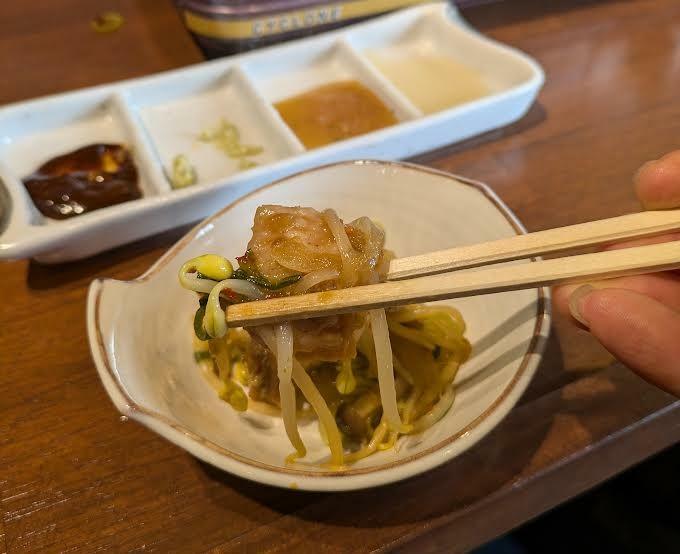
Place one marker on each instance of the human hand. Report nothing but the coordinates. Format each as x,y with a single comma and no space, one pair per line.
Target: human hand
638,318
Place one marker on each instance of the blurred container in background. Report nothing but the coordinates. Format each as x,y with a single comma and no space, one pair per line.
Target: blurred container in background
223,27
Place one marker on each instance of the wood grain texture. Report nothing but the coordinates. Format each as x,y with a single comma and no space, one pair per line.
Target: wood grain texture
48,47
74,477
3,547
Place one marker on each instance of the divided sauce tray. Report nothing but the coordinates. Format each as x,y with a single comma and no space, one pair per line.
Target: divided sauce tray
160,116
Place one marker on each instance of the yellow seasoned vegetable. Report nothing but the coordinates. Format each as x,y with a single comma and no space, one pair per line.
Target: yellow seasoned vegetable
183,173
107,22
210,266
227,138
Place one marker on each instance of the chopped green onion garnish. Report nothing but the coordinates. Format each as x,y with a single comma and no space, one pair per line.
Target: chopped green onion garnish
201,355
200,331
264,283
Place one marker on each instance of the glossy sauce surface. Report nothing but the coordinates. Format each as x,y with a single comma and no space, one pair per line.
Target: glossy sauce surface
86,179
334,112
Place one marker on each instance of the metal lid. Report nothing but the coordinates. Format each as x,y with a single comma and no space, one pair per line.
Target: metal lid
246,8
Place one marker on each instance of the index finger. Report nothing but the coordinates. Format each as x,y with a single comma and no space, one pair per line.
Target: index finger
657,183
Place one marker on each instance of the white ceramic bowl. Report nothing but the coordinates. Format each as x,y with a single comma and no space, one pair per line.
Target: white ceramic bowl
140,330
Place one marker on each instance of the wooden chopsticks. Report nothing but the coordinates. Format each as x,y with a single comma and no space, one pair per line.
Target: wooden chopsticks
551,241
408,287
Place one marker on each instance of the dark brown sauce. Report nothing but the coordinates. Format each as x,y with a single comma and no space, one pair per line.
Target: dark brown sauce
87,179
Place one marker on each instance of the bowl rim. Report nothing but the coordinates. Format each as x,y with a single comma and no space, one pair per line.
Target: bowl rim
346,479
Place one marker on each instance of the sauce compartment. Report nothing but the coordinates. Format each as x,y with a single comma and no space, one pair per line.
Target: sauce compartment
196,118
438,65
39,132
297,74
160,116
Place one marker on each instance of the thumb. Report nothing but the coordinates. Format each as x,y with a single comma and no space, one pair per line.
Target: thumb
640,331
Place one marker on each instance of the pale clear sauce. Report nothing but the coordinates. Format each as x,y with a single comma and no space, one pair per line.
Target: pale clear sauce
433,82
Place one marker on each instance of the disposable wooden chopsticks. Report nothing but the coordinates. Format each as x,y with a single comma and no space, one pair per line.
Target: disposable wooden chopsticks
414,279
551,241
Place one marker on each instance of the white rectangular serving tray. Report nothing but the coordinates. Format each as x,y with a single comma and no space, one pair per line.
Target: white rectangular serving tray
159,117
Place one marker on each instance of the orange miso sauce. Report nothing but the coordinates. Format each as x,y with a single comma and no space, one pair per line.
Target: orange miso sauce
334,112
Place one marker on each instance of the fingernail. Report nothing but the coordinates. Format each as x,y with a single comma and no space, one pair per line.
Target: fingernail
576,303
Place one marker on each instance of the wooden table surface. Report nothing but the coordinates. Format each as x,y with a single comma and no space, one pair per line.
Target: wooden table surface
73,477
